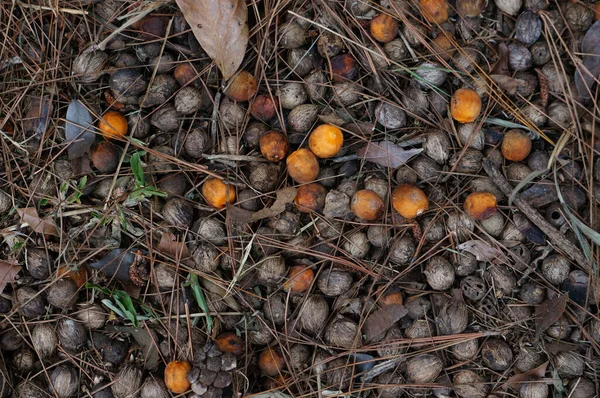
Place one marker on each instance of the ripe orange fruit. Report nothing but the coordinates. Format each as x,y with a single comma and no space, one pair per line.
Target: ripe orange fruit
299,279
367,205
270,362
274,146
230,342
310,197
302,166
113,125
383,28
442,45
217,194
326,141
516,145
465,105
481,205
242,87
176,376
391,298
409,201
435,11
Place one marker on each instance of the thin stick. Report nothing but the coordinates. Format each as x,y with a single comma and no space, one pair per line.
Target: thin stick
554,236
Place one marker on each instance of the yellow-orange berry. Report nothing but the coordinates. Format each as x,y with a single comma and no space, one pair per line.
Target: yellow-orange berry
270,362
383,28
391,298
217,194
481,205
302,166
326,141
516,145
299,279
230,342
435,11
176,376
274,146
242,87
113,125
310,197
409,201
366,204
264,107
465,105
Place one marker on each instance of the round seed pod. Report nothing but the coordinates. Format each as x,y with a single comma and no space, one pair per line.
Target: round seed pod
465,265
556,268
271,271
532,293
529,358
178,213
453,317
188,100
11,340
127,382
343,332
405,175
579,16
493,225
503,279
313,315
232,113
338,374
390,116
154,388
390,385
206,257
291,35
93,316
528,27
465,351
560,329
395,50
62,293
302,62
540,53
166,118
302,118
30,389
431,73
357,244
569,364
346,93
173,185
127,83
437,146
39,263
470,162
402,251
473,287
159,92
30,303
44,340
329,45
291,95
439,273
559,115
264,177
423,368
512,233
385,350
516,172
536,115
467,383
23,361
471,135
316,86
460,225
275,309
581,388
594,330
426,168
254,132
433,230
211,230
417,307
532,388
88,66
496,354
299,356
334,282
467,59
71,334
139,125
420,328
378,235
415,100
64,381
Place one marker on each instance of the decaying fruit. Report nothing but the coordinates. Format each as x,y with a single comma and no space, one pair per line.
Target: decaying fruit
435,11
310,197
270,362
299,279
367,205
242,87
481,205
176,376
383,28
274,146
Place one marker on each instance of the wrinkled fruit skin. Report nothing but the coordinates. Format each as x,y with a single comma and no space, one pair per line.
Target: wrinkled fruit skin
343,68
516,145
367,205
310,197
242,88
217,193
270,362
435,11
465,105
176,376
274,146
302,166
409,201
383,28
481,205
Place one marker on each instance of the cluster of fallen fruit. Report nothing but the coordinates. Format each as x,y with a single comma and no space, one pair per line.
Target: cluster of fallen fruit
317,275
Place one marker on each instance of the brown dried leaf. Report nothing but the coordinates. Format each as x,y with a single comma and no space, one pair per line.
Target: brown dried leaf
221,29
38,116
515,381
480,249
507,83
387,154
501,66
381,320
170,246
548,312
8,273
44,226
284,197
588,73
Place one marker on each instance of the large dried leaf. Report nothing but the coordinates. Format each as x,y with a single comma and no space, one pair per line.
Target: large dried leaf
548,312
44,226
38,116
589,72
116,263
501,66
515,381
507,83
381,320
480,249
8,273
284,197
170,246
387,154
221,29
78,130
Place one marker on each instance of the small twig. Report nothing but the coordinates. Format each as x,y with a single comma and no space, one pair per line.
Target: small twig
554,236
235,158
215,112
59,9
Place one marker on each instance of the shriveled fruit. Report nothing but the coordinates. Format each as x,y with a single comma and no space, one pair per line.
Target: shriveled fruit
391,298
264,107
409,201
270,362
302,166
217,193
113,125
310,197
343,68
274,146
481,205
176,376
326,141
383,28
299,279
230,342
516,145
242,87
367,205
465,105
435,11
105,156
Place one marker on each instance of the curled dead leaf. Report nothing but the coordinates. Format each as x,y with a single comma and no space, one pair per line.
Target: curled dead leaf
8,274
44,226
387,154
